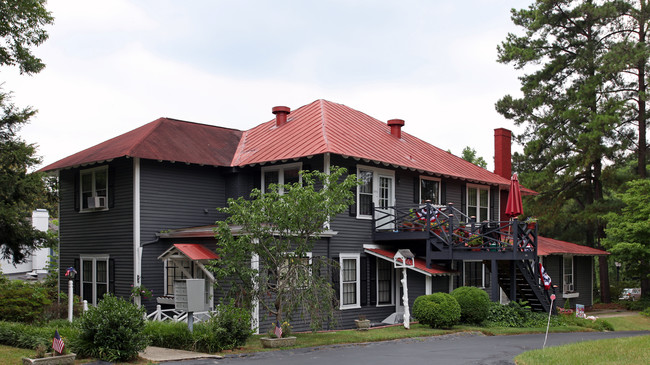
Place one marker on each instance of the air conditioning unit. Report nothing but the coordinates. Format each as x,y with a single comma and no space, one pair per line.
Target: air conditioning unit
568,288
97,202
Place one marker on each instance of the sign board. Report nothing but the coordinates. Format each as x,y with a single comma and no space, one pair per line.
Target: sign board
189,295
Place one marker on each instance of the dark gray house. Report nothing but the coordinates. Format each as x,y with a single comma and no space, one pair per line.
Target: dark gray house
138,209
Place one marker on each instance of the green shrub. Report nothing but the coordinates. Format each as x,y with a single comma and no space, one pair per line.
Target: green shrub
22,301
228,328
646,312
29,336
172,335
112,331
637,305
474,304
438,310
518,315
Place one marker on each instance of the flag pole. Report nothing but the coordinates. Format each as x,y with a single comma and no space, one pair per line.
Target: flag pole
548,324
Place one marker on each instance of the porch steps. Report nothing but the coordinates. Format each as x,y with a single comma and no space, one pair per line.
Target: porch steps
526,285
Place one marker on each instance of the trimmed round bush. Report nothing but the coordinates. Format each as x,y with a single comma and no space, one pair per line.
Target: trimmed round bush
474,304
227,329
438,310
113,331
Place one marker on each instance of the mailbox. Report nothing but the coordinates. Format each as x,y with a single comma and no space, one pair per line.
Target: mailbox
189,295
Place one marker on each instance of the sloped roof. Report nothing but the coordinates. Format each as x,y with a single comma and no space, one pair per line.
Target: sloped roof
420,264
316,128
196,251
324,126
163,139
549,246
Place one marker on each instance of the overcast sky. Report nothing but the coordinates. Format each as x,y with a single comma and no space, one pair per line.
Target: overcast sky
115,65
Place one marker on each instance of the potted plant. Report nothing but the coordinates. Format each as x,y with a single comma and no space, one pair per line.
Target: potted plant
362,323
50,358
278,336
531,222
474,240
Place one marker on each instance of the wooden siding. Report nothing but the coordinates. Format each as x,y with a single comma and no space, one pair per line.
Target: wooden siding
108,232
174,195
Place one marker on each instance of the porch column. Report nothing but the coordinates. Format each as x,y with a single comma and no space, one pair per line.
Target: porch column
513,282
494,275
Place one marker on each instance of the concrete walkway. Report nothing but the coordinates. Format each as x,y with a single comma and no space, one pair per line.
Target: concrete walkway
160,354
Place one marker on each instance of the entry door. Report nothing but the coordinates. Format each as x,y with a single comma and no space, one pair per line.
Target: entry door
384,202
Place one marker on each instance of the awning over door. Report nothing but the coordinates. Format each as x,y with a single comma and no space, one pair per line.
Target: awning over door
190,251
420,266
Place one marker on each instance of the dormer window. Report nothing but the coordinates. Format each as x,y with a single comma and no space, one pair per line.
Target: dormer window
94,189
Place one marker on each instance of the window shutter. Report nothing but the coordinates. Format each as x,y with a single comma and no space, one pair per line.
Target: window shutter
443,192
111,276
363,263
463,198
77,177
352,210
416,190
494,193
111,187
336,277
372,265
77,278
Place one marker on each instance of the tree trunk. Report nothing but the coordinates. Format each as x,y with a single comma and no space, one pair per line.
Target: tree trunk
642,150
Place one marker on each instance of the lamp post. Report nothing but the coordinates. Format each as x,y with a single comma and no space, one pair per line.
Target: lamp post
618,268
70,273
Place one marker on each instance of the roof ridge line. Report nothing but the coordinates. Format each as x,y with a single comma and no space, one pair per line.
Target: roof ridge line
236,158
323,127
137,142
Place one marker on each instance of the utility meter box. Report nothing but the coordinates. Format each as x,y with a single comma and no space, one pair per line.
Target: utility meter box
189,295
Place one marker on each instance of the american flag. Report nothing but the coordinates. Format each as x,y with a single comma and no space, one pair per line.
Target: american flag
57,342
545,277
278,329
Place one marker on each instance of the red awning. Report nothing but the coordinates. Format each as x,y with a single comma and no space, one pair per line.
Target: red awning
420,265
195,251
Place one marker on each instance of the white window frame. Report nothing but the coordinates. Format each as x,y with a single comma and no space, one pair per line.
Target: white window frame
483,273
94,259
392,283
280,169
92,172
439,189
478,201
566,275
357,258
376,174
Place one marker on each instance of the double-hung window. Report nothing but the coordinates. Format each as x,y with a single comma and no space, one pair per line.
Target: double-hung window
384,282
429,190
94,278
475,273
280,175
568,275
478,202
94,188
350,283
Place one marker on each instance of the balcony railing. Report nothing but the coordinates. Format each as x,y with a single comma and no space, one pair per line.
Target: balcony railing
449,228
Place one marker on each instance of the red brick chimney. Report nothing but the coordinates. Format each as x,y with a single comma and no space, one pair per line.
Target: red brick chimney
502,152
396,127
281,113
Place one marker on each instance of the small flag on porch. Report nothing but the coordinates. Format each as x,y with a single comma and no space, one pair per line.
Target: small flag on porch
278,329
545,277
57,342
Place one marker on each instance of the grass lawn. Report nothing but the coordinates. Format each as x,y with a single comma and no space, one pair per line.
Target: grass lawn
630,323
620,351
13,355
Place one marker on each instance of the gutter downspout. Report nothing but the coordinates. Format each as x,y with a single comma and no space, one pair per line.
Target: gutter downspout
137,250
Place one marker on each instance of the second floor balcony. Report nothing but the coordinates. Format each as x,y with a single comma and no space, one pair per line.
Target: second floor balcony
451,234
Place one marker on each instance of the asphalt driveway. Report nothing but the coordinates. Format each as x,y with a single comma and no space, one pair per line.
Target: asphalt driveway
454,349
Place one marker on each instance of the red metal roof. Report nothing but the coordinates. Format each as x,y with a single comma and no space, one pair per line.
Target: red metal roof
195,251
420,265
549,246
163,139
324,126
316,128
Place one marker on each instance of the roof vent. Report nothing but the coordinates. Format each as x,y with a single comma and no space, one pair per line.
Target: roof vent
396,127
281,113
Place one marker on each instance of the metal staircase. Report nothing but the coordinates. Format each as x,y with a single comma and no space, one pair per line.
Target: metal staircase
526,284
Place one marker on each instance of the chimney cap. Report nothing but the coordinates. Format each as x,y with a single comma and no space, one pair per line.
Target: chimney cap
281,109
399,122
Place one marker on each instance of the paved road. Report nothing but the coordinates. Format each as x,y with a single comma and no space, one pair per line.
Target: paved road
452,349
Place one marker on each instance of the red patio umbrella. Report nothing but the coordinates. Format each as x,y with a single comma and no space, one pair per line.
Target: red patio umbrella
514,206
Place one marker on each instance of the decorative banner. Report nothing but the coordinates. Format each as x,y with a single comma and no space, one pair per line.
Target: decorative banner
580,311
545,277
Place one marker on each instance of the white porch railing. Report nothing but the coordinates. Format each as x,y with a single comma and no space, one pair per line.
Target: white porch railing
176,315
